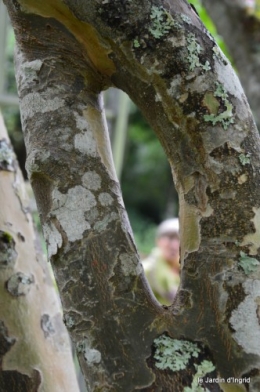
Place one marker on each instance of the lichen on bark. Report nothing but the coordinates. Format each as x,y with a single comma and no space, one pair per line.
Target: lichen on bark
161,55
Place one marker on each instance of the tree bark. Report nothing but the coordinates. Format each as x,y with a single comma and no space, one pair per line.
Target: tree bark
240,28
162,56
34,344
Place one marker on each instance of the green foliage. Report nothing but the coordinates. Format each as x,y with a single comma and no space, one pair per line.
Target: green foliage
10,74
244,159
248,264
146,182
144,232
174,354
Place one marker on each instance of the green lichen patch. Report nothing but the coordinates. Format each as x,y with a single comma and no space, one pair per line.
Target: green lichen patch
8,254
206,66
7,156
225,118
244,159
186,19
210,102
161,22
194,50
247,263
136,43
174,354
202,369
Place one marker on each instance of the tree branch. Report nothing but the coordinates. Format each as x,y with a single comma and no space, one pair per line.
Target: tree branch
162,56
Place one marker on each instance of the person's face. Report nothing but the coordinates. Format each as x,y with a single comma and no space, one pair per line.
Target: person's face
169,246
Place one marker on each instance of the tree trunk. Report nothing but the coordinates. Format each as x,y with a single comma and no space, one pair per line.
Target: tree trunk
240,28
162,56
34,345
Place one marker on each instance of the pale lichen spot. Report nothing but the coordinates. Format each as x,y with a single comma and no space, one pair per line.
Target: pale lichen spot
242,179
183,97
92,356
86,143
130,264
174,86
158,97
244,319
81,122
208,211
19,284
34,103
28,73
52,237
105,199
253,239
70,210
91,180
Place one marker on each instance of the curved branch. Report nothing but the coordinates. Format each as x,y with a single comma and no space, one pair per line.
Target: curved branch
162,56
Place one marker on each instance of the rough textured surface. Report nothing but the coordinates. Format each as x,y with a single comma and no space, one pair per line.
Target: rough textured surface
162,56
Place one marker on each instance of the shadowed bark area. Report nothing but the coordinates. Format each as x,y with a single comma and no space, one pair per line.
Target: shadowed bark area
162,56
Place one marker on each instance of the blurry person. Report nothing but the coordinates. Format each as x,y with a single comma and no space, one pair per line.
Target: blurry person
162,266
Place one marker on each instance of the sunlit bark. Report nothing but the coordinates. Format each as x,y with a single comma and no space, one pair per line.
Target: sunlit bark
34,345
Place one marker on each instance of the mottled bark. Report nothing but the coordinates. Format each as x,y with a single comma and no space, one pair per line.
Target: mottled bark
240,28
35,352
162,56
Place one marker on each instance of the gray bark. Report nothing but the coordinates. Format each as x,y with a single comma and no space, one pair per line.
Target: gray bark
162,56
